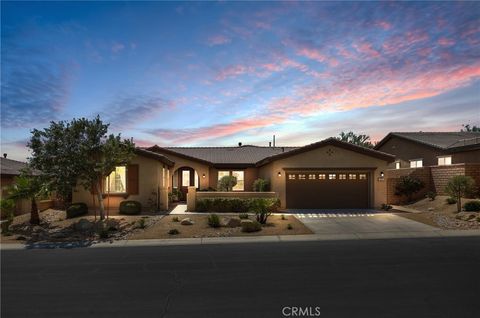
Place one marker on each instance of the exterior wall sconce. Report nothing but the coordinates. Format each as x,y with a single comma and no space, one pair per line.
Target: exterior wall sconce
203,175
279,174
382,174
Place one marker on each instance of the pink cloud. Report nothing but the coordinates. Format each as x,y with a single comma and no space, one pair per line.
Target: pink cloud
233,71
218,40
383,25
366,49
316,55
446,42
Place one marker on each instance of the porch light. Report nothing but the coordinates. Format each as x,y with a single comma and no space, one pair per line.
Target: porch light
203,175
382,174
279,174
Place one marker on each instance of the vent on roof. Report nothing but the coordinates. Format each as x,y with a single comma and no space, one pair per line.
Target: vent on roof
239,144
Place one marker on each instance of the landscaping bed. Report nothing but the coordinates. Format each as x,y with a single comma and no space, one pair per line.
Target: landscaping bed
200,228
439,213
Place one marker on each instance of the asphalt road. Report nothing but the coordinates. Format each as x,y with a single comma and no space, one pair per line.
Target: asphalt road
362,278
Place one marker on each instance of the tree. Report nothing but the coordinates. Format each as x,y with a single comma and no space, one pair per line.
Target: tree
226,183
263,208
468,128
408,186
359,140
460,186
261,185
30,187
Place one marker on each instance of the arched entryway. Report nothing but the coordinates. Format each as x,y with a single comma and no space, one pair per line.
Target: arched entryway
183,178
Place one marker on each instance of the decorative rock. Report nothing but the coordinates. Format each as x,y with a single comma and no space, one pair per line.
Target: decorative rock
83,225
187,221
231,222
430,209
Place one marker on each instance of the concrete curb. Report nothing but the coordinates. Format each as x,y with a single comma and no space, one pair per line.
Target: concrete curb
270,239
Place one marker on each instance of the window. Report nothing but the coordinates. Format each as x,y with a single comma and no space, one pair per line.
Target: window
417,163
397,164
222,174
240,180
362,176
332,176
301,177
342,176
311,177
321,176
445,160
185,178
352,176
291,177
116,182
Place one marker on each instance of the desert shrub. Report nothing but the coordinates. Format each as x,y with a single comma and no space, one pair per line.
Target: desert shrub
175,219
130,207
141,224
7,207
451,200
283,217
261,185
173,232
263,208
243,216
472,206
213,220
431,195
103,232
408,186
226,183
238,205
386,207
77,209
249,226
460,186
289,227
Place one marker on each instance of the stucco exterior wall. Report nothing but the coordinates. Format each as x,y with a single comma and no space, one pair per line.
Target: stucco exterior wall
472,156
249,176
150,184
320,158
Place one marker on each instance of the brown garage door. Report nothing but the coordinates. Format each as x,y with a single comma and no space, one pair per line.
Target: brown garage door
327,190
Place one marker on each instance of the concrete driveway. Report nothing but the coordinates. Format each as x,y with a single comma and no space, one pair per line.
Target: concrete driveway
360,222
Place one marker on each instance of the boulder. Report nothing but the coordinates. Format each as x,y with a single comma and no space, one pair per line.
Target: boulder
83,225
186,221
231,222
250,226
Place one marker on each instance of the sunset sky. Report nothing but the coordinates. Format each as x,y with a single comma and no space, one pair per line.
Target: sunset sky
218,73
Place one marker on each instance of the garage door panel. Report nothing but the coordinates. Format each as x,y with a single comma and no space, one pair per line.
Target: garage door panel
327,194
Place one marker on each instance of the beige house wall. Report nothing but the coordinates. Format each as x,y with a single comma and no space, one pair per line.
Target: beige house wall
152,181
319,158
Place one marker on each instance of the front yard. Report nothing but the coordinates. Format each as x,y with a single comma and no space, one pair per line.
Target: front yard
439,213
55,227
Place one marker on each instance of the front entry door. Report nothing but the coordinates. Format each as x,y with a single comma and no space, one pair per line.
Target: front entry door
186,178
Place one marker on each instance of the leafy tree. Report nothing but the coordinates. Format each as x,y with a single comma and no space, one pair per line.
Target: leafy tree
359,140
261,185
226,183
468,128
263,208
460,186
408,186
30,187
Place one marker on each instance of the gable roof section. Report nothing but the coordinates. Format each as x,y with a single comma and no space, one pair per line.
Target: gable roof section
11,167
330,142
454,141
154,155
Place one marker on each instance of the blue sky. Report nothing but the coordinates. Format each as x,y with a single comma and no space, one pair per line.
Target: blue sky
216,73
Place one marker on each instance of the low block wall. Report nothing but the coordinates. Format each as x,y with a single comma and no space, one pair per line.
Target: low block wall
442,174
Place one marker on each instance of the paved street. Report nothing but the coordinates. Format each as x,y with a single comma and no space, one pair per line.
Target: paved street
435,277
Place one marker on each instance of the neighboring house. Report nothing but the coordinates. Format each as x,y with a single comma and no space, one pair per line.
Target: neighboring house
326,174
433,157
418,149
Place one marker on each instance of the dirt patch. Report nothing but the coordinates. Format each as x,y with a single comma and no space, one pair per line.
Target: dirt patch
443,215
200,228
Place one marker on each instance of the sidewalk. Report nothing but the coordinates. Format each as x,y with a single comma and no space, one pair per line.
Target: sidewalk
267,239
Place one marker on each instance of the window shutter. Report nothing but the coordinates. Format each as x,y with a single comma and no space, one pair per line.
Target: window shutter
132,179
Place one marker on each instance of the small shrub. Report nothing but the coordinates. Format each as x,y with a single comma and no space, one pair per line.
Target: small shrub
175,219
472,206
213,220
283,217
103,233
289,227
249,226
226,183
386,207
77,209
459,187
408,186
243,216
130,207
451,200
261,185
431,195
263,208
141,223
174,232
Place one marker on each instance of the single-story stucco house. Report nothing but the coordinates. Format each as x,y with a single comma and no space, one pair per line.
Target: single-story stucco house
325,174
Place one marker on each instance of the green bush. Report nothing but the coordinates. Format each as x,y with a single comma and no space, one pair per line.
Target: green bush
130,207
237,205
283,217
289,227
226,183
459,187
77,209
174,232
451,200
263,208
261,185
7,207
213,220
141,223
249,226
243,216
431,195
408,186
175,219
386,207
472,206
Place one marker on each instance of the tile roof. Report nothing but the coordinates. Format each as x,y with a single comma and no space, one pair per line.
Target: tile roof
11,167
442,140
